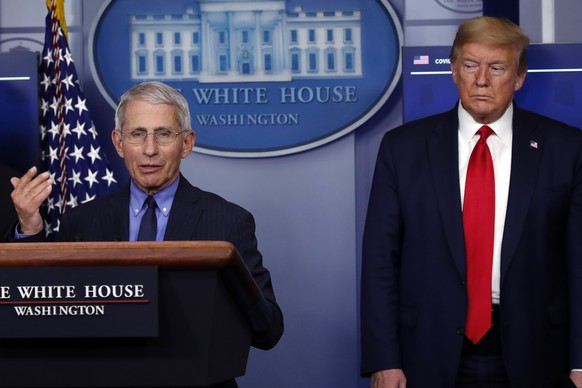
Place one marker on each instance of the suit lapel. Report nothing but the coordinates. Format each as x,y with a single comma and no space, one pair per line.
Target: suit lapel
116,222
185,212
443,153
527,151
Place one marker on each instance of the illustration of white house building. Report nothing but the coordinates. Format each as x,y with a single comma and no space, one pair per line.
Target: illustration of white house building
245,41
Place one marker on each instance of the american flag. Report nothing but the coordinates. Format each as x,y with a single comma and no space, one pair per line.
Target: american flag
420,60
71,150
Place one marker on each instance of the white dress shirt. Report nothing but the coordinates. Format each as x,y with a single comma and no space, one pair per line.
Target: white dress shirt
500,146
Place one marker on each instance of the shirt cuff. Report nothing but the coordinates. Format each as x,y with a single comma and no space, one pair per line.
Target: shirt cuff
18,234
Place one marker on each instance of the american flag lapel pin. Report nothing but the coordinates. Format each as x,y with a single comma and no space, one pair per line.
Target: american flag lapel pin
533,144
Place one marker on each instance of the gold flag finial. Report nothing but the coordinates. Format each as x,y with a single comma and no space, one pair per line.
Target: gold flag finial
58,6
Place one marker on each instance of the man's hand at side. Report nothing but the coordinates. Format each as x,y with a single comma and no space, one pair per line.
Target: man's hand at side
391,378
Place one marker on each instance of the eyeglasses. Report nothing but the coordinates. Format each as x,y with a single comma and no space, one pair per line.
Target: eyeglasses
162,137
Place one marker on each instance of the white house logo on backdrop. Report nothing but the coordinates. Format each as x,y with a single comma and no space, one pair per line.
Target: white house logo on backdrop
223,45
462,6
262,77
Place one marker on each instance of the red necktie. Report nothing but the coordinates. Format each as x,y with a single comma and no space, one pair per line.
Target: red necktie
478,221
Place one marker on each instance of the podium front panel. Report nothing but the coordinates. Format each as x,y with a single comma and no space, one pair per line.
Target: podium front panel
203,339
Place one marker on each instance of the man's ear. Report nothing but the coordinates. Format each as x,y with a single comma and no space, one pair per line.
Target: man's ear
454,72
116,139
188,143
520,80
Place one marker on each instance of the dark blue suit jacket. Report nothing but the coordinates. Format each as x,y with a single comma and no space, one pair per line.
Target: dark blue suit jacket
196,215
414,296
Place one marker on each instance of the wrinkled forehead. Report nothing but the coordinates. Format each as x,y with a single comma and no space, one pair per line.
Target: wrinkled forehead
148,116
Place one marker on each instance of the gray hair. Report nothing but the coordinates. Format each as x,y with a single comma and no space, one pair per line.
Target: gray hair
154,93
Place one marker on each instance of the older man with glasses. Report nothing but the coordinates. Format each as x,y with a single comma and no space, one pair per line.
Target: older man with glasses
153,134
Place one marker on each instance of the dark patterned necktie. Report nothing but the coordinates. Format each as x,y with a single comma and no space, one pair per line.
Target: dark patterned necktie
149,223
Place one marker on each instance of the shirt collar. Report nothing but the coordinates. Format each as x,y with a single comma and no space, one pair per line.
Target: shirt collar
164,198
502,127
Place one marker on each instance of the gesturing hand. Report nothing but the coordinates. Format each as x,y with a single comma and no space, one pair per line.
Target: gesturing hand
29,193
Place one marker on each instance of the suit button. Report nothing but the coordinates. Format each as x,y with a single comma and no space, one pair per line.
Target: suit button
461,331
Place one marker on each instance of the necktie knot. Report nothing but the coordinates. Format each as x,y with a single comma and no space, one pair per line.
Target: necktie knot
151,202
485,131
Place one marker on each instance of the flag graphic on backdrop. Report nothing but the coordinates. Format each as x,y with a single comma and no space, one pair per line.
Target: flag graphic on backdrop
420,60
71,151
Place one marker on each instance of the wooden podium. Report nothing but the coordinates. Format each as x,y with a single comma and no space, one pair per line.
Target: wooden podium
208,305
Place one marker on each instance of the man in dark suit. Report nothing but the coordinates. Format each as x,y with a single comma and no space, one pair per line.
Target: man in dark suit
417,299
152,135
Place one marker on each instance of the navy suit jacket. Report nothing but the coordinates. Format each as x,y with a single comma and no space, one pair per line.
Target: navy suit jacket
414,296
196,215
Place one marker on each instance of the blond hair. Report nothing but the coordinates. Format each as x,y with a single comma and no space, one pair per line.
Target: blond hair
494,32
